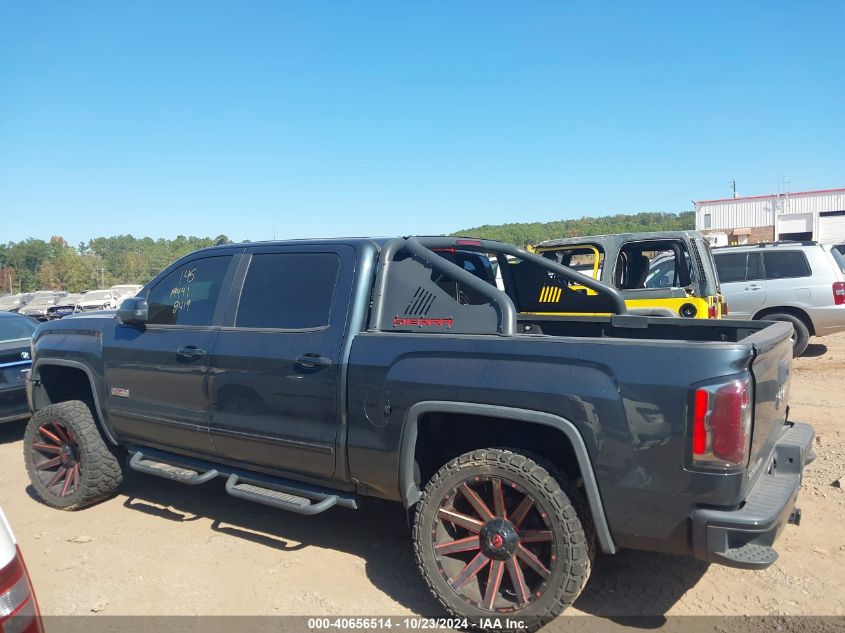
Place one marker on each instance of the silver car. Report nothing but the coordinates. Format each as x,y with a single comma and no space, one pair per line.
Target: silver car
12,303
99,300
802,283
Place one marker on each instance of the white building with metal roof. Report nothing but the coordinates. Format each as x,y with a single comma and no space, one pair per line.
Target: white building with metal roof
802,215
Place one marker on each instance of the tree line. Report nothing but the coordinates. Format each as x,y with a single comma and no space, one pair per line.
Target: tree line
35,264
524,234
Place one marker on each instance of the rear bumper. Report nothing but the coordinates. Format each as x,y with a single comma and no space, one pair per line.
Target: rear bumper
828,319
744,537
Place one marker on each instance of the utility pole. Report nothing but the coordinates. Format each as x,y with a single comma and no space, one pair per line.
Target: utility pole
733,186
785,186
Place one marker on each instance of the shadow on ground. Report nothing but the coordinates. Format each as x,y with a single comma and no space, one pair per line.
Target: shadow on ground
628,584
378,533
814,350
12,431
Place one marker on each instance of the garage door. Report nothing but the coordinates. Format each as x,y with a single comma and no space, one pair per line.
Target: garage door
795,223
832,228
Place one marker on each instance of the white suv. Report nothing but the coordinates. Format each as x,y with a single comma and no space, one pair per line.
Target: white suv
802,283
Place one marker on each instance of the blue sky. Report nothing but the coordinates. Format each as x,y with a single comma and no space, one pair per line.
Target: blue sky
339,118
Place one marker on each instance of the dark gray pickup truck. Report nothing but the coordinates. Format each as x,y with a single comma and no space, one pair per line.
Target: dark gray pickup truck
313,374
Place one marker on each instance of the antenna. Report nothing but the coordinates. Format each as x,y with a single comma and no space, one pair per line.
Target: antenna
733,186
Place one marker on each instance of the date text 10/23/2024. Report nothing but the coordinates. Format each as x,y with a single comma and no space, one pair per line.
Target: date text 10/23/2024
414,623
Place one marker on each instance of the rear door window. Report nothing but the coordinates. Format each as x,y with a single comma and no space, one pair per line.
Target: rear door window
731,266
785,264
289,291
754,271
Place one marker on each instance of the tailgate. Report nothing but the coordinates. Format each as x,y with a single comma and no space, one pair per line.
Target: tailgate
771,369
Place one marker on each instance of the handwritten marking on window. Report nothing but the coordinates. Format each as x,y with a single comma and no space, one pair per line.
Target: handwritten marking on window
181,305
181,294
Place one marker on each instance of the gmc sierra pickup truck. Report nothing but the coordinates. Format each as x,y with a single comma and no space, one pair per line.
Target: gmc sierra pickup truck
314,374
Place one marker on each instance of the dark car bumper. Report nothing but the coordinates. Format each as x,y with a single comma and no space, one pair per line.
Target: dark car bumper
744,537
13,404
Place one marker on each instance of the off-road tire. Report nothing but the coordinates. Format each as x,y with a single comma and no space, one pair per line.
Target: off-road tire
100,467
574,536
801,337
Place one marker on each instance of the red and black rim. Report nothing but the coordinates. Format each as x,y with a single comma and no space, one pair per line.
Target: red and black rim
493,544
55,457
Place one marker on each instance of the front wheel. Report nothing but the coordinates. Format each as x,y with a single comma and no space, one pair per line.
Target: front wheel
69,464
497,535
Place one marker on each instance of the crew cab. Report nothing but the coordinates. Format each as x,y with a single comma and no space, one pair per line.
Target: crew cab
314,374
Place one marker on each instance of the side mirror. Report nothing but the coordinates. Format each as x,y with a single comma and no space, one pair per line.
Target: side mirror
133,311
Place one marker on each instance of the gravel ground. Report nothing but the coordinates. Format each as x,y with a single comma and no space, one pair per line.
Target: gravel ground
166,549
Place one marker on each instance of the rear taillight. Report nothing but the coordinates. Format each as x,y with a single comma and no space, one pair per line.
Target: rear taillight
839,292
712,312
19,611
721,424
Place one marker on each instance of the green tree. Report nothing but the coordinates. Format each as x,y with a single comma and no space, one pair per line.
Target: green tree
531,233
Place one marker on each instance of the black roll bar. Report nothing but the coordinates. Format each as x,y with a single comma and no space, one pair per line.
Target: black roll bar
507,249
421,247
505,310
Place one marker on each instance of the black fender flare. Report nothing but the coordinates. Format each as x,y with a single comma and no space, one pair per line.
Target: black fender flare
75,364
411,493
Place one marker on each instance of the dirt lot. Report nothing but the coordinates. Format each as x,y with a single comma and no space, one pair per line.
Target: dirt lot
163,548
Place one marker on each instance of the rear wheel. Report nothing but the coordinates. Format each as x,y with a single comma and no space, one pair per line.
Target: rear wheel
800,335
498,535
69,464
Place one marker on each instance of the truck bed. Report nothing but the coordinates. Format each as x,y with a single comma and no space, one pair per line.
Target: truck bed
652,328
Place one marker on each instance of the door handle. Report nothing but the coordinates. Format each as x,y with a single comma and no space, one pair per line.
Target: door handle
313,360
189,352
753,287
